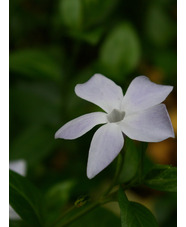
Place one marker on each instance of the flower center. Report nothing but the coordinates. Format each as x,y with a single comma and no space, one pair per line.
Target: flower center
115,116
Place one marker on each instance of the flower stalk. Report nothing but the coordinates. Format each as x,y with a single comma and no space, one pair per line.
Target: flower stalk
65,220
119,165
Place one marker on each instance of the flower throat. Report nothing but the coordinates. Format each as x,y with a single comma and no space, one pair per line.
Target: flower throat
115,116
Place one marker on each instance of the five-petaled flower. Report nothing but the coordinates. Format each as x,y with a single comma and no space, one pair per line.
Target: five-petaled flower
138,114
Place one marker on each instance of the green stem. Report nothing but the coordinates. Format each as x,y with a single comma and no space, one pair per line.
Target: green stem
82,212
78,215
61,222
63,215
141,166
120,160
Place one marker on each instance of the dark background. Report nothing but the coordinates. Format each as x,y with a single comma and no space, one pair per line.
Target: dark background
56,44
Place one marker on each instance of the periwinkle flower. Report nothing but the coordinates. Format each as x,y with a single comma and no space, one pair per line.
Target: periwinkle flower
138,114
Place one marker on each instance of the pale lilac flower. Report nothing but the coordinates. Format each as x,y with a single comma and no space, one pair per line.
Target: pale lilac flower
18,166
138,114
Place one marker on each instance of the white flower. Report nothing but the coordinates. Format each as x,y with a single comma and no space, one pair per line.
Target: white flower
138,114
18,166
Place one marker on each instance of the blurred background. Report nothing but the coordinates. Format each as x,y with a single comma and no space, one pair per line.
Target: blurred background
56,44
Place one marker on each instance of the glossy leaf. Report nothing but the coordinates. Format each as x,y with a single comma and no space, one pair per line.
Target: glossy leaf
25,199
162,178
134,214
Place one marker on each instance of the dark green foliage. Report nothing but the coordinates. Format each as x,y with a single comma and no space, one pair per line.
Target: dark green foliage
163,178
134,214
26,200
98,217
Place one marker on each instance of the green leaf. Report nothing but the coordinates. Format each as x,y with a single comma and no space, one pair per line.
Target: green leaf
71,13
25,199
166,60
60,193
162,178
18,223
35,103
165,207
35,63
134,214
80,15
92,36
56,198
97,217
132,160
33,144
120,52
96,11
160,29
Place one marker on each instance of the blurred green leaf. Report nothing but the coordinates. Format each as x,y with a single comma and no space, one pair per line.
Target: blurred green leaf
33,144
166,209
71,13
18,223
162,178
92,36
57,197
25,199
160,29
166,61
120,52
35,63
96,11
35,103
148,164
134,214
132,160
59,194
83,14
97,217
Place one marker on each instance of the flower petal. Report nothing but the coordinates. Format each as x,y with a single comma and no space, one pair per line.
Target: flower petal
79,126
150,125
142,94
18,166
13,215
106,144
101,91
